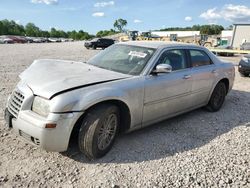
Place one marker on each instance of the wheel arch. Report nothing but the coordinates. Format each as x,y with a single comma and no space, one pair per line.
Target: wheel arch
226,82
125,116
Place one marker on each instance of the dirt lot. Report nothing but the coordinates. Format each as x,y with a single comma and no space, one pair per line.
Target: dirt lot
197,149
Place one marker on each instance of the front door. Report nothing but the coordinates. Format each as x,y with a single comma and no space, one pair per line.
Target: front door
168,93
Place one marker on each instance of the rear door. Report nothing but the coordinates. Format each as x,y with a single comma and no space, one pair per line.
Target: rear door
203,74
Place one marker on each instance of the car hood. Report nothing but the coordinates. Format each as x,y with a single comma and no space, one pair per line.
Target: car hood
48,78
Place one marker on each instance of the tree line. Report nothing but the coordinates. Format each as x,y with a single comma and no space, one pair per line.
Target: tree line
204,29
12,28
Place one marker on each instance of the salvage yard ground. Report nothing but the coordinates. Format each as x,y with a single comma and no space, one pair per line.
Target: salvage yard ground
195,149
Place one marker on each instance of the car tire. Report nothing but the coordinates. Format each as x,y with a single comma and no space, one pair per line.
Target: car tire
217,98
98,130
94,47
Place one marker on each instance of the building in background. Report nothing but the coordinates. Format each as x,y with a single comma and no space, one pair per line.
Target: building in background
226,37
178,33
241,34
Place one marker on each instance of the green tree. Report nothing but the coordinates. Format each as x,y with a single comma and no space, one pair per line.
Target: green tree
1,28
204,29
11,28
32,30
211,29
72,34
104,33
44,34
230,27
120,24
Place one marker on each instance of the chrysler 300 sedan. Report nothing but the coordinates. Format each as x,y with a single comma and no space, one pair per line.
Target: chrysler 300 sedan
125,87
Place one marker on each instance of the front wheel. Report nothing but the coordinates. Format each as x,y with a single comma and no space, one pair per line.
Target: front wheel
217,98
98,131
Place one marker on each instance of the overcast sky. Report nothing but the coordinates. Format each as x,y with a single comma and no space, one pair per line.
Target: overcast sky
92,16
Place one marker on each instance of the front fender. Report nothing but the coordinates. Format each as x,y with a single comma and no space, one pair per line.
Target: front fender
80,100
129,92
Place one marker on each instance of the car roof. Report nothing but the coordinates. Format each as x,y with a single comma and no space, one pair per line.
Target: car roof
157,44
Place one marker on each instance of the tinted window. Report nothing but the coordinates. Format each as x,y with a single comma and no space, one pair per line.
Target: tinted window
199,58
175,58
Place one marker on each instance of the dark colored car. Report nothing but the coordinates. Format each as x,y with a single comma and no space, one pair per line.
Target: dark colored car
99,43
245,46
244,65
18,39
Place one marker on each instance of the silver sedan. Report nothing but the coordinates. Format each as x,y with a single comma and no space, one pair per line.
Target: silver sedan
125,87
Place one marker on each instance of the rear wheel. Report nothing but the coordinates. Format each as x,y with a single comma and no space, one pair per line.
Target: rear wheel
217,98
98,131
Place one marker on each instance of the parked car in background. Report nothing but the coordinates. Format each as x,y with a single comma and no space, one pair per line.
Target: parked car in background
99,43
29,39
244,65
64,39
6,39
36,39
245,46
18,39
54,40
126,87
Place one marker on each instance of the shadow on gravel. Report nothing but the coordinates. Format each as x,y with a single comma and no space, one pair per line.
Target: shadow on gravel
182,133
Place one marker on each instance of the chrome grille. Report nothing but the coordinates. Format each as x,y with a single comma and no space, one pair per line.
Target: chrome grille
15,103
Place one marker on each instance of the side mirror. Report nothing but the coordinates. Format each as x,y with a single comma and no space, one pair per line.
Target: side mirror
163,68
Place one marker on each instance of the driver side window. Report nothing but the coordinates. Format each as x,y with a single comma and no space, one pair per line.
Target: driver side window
175,58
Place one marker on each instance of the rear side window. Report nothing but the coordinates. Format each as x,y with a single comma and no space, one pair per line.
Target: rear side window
199,58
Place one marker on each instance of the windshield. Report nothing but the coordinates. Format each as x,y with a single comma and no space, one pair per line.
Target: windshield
123,58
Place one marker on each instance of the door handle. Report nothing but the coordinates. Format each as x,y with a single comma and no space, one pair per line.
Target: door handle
214,71
186,76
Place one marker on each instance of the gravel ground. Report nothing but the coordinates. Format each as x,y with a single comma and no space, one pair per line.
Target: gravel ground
197,149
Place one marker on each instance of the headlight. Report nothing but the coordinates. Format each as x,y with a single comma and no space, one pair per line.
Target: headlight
245,59
41,106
